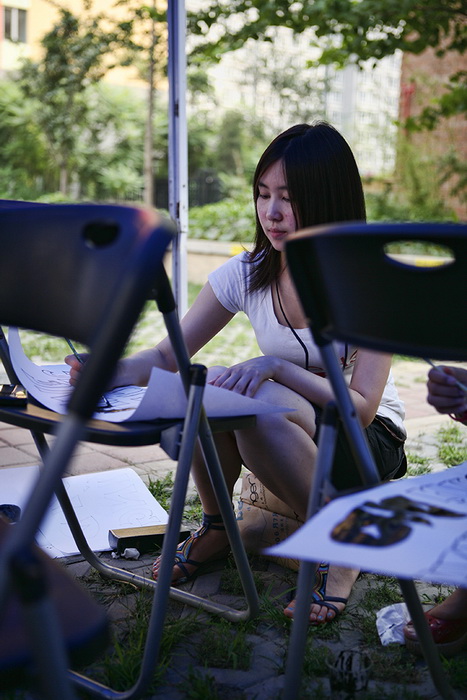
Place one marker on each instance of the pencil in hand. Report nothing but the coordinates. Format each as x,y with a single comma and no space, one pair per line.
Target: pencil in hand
104,403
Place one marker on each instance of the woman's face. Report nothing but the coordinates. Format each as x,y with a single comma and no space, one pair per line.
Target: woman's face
273,206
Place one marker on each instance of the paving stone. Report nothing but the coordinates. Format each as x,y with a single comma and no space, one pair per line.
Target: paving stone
12,457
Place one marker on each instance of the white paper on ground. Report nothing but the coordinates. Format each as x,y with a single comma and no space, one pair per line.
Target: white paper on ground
102,501
390,623
164,397
427,541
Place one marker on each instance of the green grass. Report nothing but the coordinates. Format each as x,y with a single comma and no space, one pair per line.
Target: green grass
200,686
417,464
162,489
452,447
223,645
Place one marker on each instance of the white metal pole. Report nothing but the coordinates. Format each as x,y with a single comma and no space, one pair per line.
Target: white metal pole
178,148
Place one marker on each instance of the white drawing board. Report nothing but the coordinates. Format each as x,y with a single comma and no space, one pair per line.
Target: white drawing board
412,528
102,501
164,397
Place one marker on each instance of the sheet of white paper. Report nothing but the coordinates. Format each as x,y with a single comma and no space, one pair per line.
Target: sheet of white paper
427,541
103,501
164,396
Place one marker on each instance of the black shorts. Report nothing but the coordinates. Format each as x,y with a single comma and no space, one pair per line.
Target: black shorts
386,442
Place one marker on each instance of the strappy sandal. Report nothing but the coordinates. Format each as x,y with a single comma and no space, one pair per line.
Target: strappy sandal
319,591
182,553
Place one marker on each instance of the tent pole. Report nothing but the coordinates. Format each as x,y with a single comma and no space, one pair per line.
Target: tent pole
178,149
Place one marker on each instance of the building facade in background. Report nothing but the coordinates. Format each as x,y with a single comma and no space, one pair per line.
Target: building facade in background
23,23
271,80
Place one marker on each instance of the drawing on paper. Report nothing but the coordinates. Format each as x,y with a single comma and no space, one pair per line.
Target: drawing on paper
387,522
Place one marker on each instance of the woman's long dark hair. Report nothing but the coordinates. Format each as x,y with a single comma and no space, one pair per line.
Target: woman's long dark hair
323,184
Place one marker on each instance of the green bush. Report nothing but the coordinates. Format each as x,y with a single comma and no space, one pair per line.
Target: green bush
229,220
387,206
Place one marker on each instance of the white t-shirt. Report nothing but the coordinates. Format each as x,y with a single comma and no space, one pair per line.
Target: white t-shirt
230,285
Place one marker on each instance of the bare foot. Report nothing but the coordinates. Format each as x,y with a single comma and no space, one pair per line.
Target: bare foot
338,585
209,546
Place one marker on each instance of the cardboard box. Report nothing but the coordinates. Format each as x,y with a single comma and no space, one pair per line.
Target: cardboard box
256,494
264,520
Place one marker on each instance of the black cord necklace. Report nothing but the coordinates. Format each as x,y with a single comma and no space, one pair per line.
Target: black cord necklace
296,336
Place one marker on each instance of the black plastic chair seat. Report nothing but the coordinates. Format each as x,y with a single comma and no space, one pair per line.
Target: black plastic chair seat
35,417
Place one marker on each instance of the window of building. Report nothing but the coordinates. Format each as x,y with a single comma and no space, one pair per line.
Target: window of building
14,24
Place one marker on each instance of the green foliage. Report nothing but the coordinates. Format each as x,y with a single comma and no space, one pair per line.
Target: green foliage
383,27
417,465
452,447
162,489
415,194
222,647
24,159
76,56
231,219
199,686
120,667
456,669
450,103
317,659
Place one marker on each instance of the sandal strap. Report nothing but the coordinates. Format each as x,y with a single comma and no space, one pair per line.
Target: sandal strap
329,605
213,522
321,577
328,599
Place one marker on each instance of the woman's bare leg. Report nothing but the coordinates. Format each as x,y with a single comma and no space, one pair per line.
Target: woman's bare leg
280,451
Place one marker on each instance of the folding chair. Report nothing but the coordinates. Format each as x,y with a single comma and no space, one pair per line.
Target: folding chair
354,290
103,262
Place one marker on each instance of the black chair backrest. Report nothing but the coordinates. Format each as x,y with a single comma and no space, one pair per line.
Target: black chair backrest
81,272
19,203
353,290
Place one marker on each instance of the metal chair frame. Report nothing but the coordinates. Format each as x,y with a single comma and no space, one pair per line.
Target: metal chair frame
178,438
352,289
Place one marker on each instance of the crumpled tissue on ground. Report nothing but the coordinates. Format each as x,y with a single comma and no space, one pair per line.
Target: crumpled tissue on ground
390,622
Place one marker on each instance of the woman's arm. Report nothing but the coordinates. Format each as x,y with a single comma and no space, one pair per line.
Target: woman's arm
369,378
205,318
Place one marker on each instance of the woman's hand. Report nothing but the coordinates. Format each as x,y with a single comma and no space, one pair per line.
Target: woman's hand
246,377
444,394
75,366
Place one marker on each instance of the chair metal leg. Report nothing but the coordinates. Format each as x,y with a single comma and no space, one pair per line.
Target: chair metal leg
238,550
162,588
25,530
296,649
41,622
298,634
5,359
118,574
306,574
